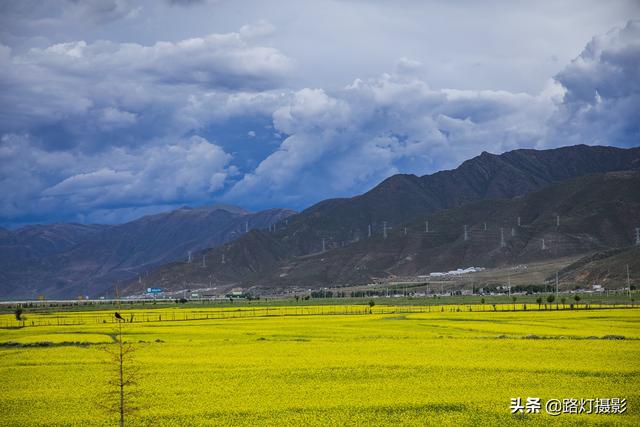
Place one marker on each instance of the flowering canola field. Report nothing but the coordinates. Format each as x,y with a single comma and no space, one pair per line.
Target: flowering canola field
450,368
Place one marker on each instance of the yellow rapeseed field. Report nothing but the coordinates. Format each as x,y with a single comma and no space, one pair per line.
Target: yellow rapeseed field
423,368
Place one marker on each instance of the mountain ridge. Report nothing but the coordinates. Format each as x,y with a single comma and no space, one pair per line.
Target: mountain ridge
317,223
119,252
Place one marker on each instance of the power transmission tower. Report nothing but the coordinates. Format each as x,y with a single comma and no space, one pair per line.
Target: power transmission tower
502,242
384,229
189,256
556,284
426,226
518,221
323,245
405,231
466,234
544,247
369,230
557,220
485,226
513,232
204,261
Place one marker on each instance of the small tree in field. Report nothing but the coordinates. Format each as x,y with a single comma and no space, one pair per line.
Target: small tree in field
18,314
563,300
539,301
577,298
550,299
124,372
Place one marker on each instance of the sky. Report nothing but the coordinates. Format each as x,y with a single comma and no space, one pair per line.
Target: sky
114,109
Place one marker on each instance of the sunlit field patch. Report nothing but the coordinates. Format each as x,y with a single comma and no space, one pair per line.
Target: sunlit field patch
369,369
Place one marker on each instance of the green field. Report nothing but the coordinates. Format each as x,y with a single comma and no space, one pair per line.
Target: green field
422,368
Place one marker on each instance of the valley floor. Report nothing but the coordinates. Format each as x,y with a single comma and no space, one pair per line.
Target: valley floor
423,368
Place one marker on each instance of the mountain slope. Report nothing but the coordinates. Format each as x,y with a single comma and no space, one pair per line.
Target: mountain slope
488,176
606,268
595,212
121,252
21,250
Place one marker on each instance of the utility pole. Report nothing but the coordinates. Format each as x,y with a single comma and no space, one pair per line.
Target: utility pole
405,231
369,230
384,229
557,220
518,221
189,256
556,284
485,226
323,245
466,234
509,284
204,261
502,242
426,226
637,236
513,232
628,281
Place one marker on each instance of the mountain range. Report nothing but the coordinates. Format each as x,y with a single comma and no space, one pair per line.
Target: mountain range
66,260
508,204
330,244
